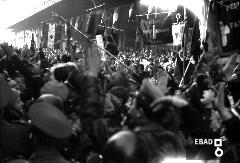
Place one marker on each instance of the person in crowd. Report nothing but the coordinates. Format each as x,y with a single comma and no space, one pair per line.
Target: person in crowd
14,131
50,128
57,111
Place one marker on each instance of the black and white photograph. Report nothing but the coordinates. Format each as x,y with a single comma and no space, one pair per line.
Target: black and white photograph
119,81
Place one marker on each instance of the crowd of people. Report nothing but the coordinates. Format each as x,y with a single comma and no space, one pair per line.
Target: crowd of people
57,108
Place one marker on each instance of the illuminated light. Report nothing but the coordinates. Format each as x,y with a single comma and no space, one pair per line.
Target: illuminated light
180,160
163,4
171,5
197,8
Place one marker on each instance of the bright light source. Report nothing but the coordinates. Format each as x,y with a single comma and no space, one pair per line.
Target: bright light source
181,160
196,6
163,4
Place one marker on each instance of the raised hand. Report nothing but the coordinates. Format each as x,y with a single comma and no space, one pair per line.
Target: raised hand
220,104
150,89
170,100
93,59
229,67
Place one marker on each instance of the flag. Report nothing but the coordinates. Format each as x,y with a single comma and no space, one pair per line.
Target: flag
74,20
130,11
111,42
83,24
139,37
38,35
195,44
27,37
77,22
150,8
45,28
33,44
133,11
63,37
115,15
57,39
122,18
163,31
71,21
51,35
92,23
177,31
178,70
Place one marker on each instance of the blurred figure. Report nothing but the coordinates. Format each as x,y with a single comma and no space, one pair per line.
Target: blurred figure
50,129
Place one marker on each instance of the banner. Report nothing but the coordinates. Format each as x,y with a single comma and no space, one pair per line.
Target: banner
157,31
45,28
228,20
100,43
130,11
38,38
177,32
57,39
115,15
51,35
123,17
77,22
27,38
63,37
93,20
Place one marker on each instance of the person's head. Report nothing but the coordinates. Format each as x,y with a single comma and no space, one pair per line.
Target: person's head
168,146
209,97
20,83
60,72
125,147
203,82
136,116
50,125
46,75
52,100
134,82
215,72
8,96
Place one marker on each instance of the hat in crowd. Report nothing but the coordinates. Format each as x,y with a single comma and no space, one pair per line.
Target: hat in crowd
50,120
55,88
150,89
52,100
15,96
125,147
12,83
119,91
135,78
7,95
108,105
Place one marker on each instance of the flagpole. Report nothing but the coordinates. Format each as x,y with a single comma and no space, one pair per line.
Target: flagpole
184,50
184,43
185,72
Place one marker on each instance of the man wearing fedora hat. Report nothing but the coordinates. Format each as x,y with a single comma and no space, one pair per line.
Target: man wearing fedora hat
50,129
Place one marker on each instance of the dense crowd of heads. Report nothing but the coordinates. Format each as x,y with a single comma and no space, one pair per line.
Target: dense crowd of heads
85,108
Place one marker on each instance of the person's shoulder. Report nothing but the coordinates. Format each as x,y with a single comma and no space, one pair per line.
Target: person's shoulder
15,124
18,161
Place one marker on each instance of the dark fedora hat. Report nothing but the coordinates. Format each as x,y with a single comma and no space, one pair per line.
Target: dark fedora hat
50,120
